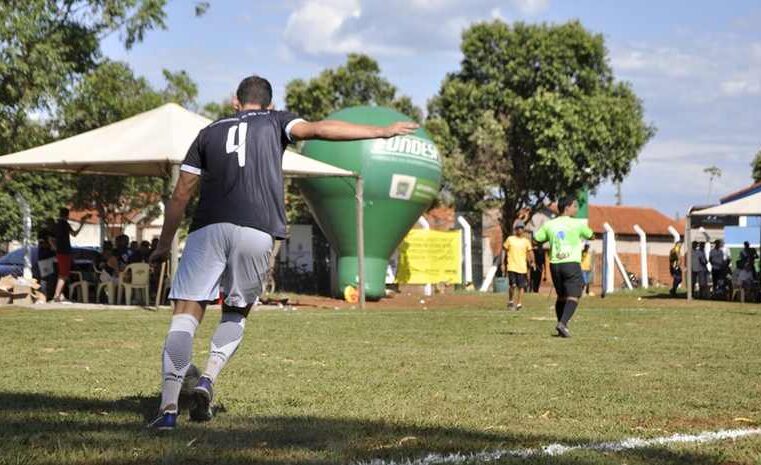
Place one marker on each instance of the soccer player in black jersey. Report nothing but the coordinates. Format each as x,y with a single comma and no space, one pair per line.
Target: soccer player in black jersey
237,161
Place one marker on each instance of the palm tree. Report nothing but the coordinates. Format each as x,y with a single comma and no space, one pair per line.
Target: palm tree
714,172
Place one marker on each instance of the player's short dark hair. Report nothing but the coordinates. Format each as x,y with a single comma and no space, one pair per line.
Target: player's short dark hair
254,90
63,212
565,202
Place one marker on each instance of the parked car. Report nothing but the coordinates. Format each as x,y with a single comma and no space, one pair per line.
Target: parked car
13,263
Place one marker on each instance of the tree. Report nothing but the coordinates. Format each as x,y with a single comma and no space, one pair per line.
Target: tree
756,167
358,82
217,110
109,94
534,113
45,48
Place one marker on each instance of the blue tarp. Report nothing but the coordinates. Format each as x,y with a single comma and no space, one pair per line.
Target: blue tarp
734,236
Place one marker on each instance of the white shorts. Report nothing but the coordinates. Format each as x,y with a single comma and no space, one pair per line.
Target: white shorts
223,257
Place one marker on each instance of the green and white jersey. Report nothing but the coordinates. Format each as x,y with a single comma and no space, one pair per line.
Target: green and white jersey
566,236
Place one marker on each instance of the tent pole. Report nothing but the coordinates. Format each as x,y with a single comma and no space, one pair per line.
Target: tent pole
175,259
688,246
360,240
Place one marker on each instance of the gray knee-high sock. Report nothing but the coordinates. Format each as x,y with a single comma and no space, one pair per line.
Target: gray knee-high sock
568,310
224,343
178,351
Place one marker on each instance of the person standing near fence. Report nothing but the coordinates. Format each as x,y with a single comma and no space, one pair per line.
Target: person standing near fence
586,267
699,269
749,255
719,267
675,267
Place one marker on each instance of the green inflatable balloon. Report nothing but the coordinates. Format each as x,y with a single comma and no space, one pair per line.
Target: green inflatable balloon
402,177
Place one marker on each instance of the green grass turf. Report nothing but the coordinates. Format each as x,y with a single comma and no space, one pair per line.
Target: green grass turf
327,386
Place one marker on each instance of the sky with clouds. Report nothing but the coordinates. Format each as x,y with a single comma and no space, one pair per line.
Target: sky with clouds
696,65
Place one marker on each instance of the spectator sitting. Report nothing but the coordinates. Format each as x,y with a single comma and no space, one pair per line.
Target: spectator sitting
109,267
154,243
122,249
133,248
145,251
136,255
107,245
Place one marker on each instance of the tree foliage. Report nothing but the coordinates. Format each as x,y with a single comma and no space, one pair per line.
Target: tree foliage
107,95
756,167
534,113
45,49
217,110
357,82
43,191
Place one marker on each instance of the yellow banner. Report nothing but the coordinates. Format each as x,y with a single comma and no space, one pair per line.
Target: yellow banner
427,256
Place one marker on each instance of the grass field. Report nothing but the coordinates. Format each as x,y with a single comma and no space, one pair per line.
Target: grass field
344,386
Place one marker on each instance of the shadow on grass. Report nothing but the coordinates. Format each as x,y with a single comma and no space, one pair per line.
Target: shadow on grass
665,296
49,429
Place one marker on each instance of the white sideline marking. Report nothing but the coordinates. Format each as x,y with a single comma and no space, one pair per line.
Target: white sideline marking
556,449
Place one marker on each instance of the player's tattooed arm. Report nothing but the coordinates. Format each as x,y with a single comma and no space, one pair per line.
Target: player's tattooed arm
341,130
183,192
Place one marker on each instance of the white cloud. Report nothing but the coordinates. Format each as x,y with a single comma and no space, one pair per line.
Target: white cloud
664,61
390,27
670,174
740,86
314,26
701,70
531,7
496,13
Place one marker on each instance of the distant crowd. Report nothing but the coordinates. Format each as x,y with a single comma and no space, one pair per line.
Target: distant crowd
55,257
714,276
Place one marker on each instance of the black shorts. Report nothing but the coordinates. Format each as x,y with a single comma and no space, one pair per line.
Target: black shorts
517,279
567,279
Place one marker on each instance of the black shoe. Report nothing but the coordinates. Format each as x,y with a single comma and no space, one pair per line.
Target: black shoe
562,330
202,396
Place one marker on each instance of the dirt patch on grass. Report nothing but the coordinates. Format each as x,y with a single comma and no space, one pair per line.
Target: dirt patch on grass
404,300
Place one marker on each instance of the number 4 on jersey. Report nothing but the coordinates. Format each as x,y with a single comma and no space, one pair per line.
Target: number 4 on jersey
240,147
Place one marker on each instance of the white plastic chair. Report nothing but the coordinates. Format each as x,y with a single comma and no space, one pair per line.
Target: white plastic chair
80,287
139,279
110,288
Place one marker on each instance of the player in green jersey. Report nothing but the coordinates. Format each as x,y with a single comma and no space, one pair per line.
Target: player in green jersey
566,236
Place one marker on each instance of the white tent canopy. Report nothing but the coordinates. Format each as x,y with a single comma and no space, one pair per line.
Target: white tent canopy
154,143
746,206
148,144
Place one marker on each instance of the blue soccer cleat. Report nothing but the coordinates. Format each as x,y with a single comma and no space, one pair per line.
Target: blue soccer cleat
203,394
166,421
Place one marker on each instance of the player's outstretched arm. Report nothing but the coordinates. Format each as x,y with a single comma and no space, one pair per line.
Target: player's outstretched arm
183,192
341,130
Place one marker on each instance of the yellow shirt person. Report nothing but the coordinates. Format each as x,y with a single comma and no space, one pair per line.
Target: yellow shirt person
519,255
518,250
